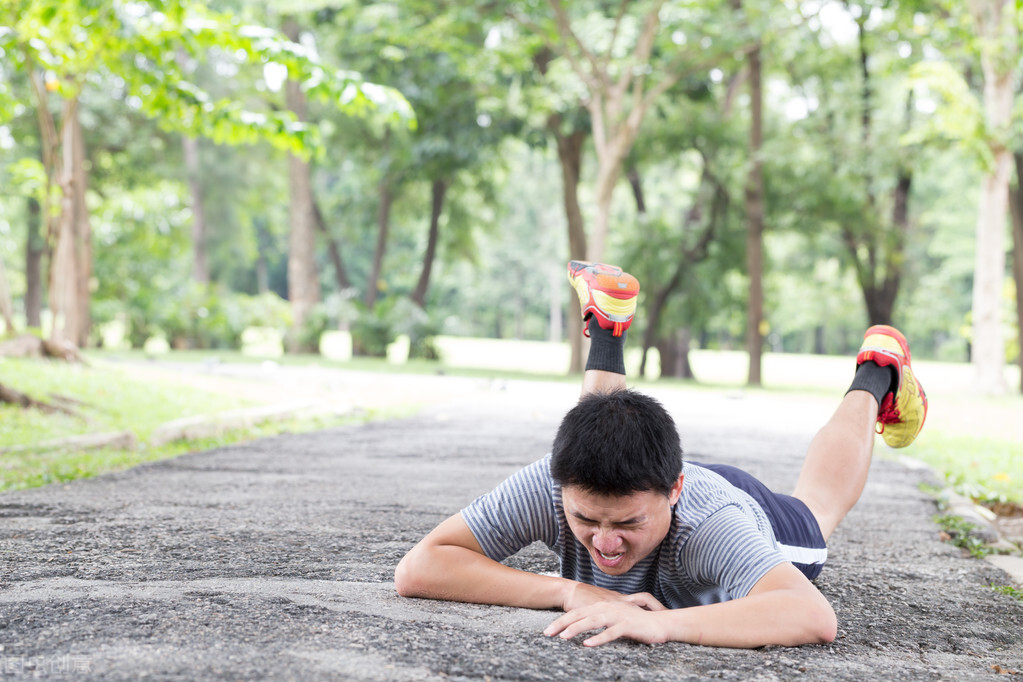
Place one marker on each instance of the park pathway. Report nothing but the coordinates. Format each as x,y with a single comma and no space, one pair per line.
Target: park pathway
274,560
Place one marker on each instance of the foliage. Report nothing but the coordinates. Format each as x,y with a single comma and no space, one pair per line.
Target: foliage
960,535
985,468
1009,591
146,73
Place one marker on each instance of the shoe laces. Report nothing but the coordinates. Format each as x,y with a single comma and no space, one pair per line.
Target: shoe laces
889,413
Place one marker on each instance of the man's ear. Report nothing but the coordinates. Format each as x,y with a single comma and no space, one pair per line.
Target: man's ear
676,489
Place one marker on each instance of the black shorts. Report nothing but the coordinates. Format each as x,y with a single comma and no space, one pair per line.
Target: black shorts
795,526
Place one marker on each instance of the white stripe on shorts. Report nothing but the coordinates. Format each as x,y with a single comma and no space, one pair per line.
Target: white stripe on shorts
804,555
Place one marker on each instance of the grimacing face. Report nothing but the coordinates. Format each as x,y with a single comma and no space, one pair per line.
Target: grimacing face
619,531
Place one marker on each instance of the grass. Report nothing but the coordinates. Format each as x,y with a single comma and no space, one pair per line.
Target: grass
959,534
31,469
1009,591
108,399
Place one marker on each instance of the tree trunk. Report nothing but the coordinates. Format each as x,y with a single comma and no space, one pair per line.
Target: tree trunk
303,283
83,237
999,54
674,350
263,241
439,189
818,340
755,225
658,301
34,248
1017,271
383,227
64,276
340,272
635,181
193,174
6,307
200,262
712,192
570,152
1016,206
607,178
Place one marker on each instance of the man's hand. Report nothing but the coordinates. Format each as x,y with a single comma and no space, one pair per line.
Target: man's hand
579,595
622,617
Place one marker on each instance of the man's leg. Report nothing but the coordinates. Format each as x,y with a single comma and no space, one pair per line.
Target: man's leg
605,364
607,296
836,465
883,391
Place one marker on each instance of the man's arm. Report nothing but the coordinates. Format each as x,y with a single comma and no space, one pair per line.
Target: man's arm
783,608
450,564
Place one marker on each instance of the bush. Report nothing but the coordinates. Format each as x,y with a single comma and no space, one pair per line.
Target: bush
210,317
416,323
373,330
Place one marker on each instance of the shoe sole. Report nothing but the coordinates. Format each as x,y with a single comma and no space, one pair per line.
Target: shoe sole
877,346
615,298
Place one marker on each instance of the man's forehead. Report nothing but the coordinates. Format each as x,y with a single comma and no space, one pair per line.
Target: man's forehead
581,502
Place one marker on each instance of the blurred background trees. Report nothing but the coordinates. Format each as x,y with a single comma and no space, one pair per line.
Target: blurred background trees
191,170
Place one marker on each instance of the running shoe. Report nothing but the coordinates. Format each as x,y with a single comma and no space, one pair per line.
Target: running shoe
605,291
903,410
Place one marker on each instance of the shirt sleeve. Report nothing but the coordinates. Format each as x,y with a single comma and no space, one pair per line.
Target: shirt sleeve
515,514
728,550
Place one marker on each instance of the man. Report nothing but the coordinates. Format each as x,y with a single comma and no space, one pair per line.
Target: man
656,549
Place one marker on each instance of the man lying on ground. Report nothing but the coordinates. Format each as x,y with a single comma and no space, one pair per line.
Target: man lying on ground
654,548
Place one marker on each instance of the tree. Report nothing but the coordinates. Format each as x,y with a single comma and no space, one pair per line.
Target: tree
624,58
303,280
143,47
755,222
998,43
1016,212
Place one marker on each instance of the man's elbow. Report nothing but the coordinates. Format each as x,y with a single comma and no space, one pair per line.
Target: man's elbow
823,625
407,580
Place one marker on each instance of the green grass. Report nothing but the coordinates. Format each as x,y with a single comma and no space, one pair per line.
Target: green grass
985,469
958,531
107,398
1009,591
30,469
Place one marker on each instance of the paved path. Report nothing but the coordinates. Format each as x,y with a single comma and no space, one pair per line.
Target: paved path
274,560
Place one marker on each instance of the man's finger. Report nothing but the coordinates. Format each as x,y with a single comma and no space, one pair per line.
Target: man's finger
562,622
582,625
607,635
645,600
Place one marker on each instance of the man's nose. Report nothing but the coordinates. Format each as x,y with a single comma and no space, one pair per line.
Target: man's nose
606,541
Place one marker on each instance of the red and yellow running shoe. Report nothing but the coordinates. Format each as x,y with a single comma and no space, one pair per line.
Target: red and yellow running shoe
605,291
903,411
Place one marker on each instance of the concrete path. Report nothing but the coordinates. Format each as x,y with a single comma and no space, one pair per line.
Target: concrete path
274,560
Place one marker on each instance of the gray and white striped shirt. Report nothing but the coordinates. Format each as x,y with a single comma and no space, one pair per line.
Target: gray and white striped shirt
719,545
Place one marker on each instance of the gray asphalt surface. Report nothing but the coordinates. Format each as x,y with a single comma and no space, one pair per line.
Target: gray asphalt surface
275,560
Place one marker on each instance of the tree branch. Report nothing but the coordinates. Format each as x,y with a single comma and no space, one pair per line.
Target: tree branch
599,75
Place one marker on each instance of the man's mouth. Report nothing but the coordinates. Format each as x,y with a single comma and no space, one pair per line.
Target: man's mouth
611,557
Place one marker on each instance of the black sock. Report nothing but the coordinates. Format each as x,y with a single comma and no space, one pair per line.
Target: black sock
607,351
874,379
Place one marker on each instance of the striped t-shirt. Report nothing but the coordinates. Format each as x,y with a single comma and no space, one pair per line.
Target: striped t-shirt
719,546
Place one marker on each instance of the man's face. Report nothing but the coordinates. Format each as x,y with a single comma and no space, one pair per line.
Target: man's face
619,531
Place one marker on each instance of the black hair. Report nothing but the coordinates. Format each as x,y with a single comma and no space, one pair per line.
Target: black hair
617,443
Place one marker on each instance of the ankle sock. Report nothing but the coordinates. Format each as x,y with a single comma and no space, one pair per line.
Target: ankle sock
607,351
874,379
